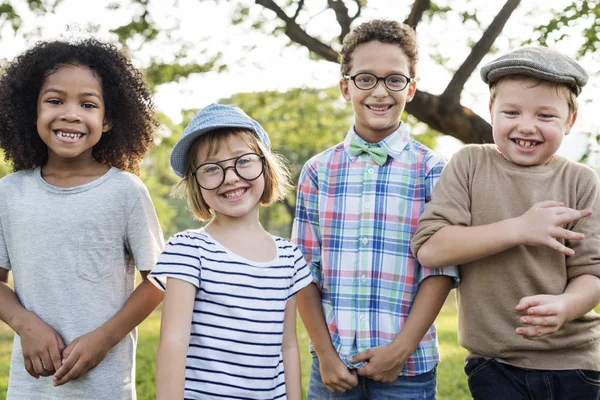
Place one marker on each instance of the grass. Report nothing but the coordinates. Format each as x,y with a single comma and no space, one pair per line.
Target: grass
451,379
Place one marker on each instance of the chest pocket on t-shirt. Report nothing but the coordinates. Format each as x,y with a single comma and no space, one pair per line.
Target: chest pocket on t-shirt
95,260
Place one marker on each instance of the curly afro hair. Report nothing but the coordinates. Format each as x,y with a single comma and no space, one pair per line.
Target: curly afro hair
127,99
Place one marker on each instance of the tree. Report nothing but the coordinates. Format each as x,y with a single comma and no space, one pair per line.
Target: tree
443,112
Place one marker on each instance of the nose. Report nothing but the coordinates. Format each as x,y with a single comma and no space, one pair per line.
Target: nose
380,90
230,177
526,125
71,113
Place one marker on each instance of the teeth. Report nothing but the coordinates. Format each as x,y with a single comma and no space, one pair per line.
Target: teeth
525,143
234,194
69,135
378,108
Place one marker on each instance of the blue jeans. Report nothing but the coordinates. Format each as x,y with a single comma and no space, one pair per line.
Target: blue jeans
493,380
421,387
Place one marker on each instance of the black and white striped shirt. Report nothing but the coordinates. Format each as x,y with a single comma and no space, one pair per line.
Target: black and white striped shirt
237,326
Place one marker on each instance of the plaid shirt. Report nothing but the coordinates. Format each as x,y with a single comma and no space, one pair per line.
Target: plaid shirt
354,221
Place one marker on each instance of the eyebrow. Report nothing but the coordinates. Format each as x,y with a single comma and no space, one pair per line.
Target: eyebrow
53,90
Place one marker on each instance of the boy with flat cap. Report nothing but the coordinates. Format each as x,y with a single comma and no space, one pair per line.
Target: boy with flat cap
523,224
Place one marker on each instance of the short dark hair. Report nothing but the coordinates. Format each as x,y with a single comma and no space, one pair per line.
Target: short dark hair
385,31
128,103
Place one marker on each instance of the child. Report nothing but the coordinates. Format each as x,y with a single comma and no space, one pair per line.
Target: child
529,260
370,310
232,281
74,116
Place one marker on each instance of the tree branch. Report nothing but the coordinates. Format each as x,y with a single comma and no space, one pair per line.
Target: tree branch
416,13
481,48
298,9
341,14
299,35
450,118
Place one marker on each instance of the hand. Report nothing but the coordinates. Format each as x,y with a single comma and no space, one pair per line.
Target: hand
335,375
383,363
545,315
82,355
542,224
42,346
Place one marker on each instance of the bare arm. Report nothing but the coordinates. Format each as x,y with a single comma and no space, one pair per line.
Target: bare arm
42,346
386,361
291,355
87,351
334,373
178,308
540,225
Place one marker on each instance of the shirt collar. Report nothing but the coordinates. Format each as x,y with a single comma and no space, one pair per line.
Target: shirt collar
395,142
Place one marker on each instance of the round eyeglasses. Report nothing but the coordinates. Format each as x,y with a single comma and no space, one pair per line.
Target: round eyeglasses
248,166
368,81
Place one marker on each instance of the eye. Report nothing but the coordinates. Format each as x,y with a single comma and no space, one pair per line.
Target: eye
546,116
53,101
210,169
365,78
89,105
510,113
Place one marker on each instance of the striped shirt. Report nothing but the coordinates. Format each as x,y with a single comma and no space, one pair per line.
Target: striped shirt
237,325
354,221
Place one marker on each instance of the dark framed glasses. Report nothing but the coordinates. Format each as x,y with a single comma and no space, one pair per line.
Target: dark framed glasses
368,81
249,167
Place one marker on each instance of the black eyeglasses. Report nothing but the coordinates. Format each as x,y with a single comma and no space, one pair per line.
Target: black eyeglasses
248,166
368,81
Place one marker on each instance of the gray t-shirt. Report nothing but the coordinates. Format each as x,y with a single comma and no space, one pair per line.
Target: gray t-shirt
73,254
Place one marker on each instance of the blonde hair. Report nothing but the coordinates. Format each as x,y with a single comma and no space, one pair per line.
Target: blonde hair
562,90
276,173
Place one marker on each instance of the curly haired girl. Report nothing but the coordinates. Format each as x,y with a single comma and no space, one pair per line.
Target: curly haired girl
75,120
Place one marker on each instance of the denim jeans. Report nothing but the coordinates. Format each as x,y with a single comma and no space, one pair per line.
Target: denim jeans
422,387
493,380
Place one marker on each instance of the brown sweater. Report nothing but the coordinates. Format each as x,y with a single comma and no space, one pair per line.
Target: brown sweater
478,187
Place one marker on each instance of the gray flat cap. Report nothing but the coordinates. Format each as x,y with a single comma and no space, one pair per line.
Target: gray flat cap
213,117
538,62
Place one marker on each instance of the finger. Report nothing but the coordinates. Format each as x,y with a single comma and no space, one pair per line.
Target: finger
534,332
572,216
67,365
362,356
549,203
47,362
67,351
364,371
55,357
539,321
73,374
38,367
561,233
29,367
561,248
527,302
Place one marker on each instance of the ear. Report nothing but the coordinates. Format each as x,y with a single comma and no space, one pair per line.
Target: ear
106,126
344,89
491,113
571,123
411,91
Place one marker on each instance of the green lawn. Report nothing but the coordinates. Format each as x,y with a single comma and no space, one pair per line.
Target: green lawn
452,382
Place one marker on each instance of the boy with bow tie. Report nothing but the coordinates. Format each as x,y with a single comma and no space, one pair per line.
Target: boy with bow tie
370,310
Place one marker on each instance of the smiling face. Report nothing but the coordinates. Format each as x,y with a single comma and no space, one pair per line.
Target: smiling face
70,114
377,111
236,197
529,120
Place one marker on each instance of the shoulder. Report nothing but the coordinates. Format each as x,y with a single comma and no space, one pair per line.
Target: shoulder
583,176
424,155
16,178
325,157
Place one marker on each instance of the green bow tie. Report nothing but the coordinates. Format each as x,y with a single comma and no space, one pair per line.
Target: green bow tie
378,154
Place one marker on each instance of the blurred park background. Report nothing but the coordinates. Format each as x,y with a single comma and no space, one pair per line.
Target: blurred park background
277,60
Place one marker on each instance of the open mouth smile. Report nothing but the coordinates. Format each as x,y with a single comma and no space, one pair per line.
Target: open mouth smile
381,108
528,144
68,136
234,194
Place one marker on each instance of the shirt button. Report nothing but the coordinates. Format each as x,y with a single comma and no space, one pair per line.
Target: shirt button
363,278
367,205
371,171
364,240
362,318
